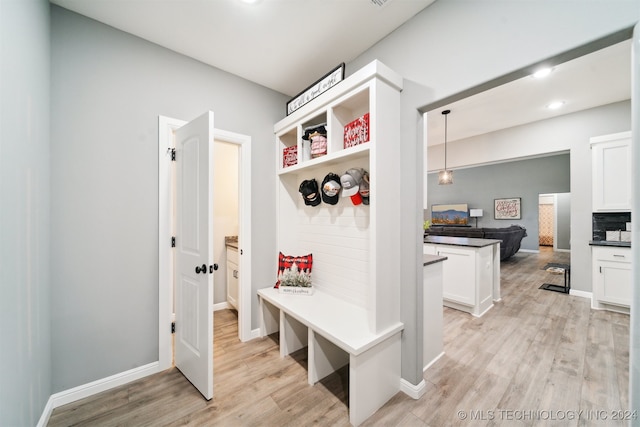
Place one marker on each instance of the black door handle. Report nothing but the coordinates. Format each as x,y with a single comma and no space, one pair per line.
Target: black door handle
202,269
213,267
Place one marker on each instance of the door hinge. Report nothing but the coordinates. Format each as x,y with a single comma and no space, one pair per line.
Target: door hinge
173,241
173,154
173,327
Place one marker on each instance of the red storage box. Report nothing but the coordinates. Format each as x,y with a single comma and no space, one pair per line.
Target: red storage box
357,131
289,156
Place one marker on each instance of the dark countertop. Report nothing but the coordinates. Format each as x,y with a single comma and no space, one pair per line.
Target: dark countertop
461,241
609,243
432,259
231,241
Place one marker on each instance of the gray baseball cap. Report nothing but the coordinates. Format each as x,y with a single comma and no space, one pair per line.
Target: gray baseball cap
350,181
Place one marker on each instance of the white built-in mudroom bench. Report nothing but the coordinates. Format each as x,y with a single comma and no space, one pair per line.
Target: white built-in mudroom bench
353,315
337,333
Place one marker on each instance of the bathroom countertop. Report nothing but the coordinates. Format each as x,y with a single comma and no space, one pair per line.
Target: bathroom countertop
231,241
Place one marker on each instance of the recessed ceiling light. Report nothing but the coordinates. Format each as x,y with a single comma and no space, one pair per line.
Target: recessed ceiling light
555,105
541,73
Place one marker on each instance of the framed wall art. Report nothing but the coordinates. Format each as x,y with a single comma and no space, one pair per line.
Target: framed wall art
453,214
507,208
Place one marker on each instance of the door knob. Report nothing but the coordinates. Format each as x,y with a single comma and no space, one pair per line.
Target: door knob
202,269
213,267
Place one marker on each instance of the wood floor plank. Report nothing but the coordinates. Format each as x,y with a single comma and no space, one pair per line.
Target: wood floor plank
535,350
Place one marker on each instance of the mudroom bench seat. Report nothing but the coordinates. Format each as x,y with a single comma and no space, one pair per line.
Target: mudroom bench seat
336,333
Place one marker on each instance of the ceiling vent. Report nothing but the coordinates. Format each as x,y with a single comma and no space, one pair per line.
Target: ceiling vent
380,3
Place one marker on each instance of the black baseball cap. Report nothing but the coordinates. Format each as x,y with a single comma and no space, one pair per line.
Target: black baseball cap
310,193
331,188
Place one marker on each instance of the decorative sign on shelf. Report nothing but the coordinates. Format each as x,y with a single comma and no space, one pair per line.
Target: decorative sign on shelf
357,131
325,83
507,208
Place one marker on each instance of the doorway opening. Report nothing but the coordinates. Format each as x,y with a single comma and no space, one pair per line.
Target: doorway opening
228,141
226,220
554,222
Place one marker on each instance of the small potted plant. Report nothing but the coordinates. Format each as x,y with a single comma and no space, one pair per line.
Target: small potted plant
294,281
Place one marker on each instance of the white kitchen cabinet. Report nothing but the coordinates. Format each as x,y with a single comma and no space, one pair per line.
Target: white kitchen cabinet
611,170
468,274
232,276
611,278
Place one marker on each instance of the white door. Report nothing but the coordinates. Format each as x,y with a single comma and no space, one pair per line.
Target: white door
194,253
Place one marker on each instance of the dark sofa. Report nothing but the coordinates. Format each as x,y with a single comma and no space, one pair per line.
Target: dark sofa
510,236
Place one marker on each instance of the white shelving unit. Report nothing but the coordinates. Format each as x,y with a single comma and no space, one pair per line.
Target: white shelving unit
355,248
353,315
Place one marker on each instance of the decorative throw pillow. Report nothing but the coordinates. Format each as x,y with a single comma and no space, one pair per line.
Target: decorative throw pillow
294,270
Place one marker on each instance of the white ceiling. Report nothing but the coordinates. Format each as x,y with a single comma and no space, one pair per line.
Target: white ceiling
599,78
286,45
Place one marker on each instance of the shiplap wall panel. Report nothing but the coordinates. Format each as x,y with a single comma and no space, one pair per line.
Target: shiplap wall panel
338,237
340,248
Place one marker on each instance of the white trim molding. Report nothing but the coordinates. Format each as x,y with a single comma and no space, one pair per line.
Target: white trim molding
583,294
166,128
221,306
413,391
430,364
80,392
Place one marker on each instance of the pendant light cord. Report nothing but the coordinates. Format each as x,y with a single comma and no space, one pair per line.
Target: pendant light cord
446,113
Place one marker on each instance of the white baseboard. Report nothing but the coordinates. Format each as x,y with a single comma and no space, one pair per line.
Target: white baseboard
221,306
531,251
46,413
411,390
255,334
435,359
583,294
95,387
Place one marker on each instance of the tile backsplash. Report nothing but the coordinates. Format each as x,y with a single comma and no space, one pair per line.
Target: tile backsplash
608,221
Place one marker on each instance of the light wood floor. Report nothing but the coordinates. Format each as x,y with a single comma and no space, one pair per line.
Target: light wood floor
536,358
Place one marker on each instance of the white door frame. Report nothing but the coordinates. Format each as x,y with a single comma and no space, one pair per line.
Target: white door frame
166,128
554,203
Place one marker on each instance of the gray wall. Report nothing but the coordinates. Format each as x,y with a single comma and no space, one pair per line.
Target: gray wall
108,88
563,225
25,352
479,186
455,45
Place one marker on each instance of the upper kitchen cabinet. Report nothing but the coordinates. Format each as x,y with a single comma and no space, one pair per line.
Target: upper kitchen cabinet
611,169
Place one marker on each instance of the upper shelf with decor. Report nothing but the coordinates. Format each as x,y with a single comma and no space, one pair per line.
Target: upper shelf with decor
336,126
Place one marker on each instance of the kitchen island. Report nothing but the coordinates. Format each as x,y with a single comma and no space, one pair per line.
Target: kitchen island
471,275
433,322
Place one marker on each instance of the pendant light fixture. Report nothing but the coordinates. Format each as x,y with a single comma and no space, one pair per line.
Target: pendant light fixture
445,176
